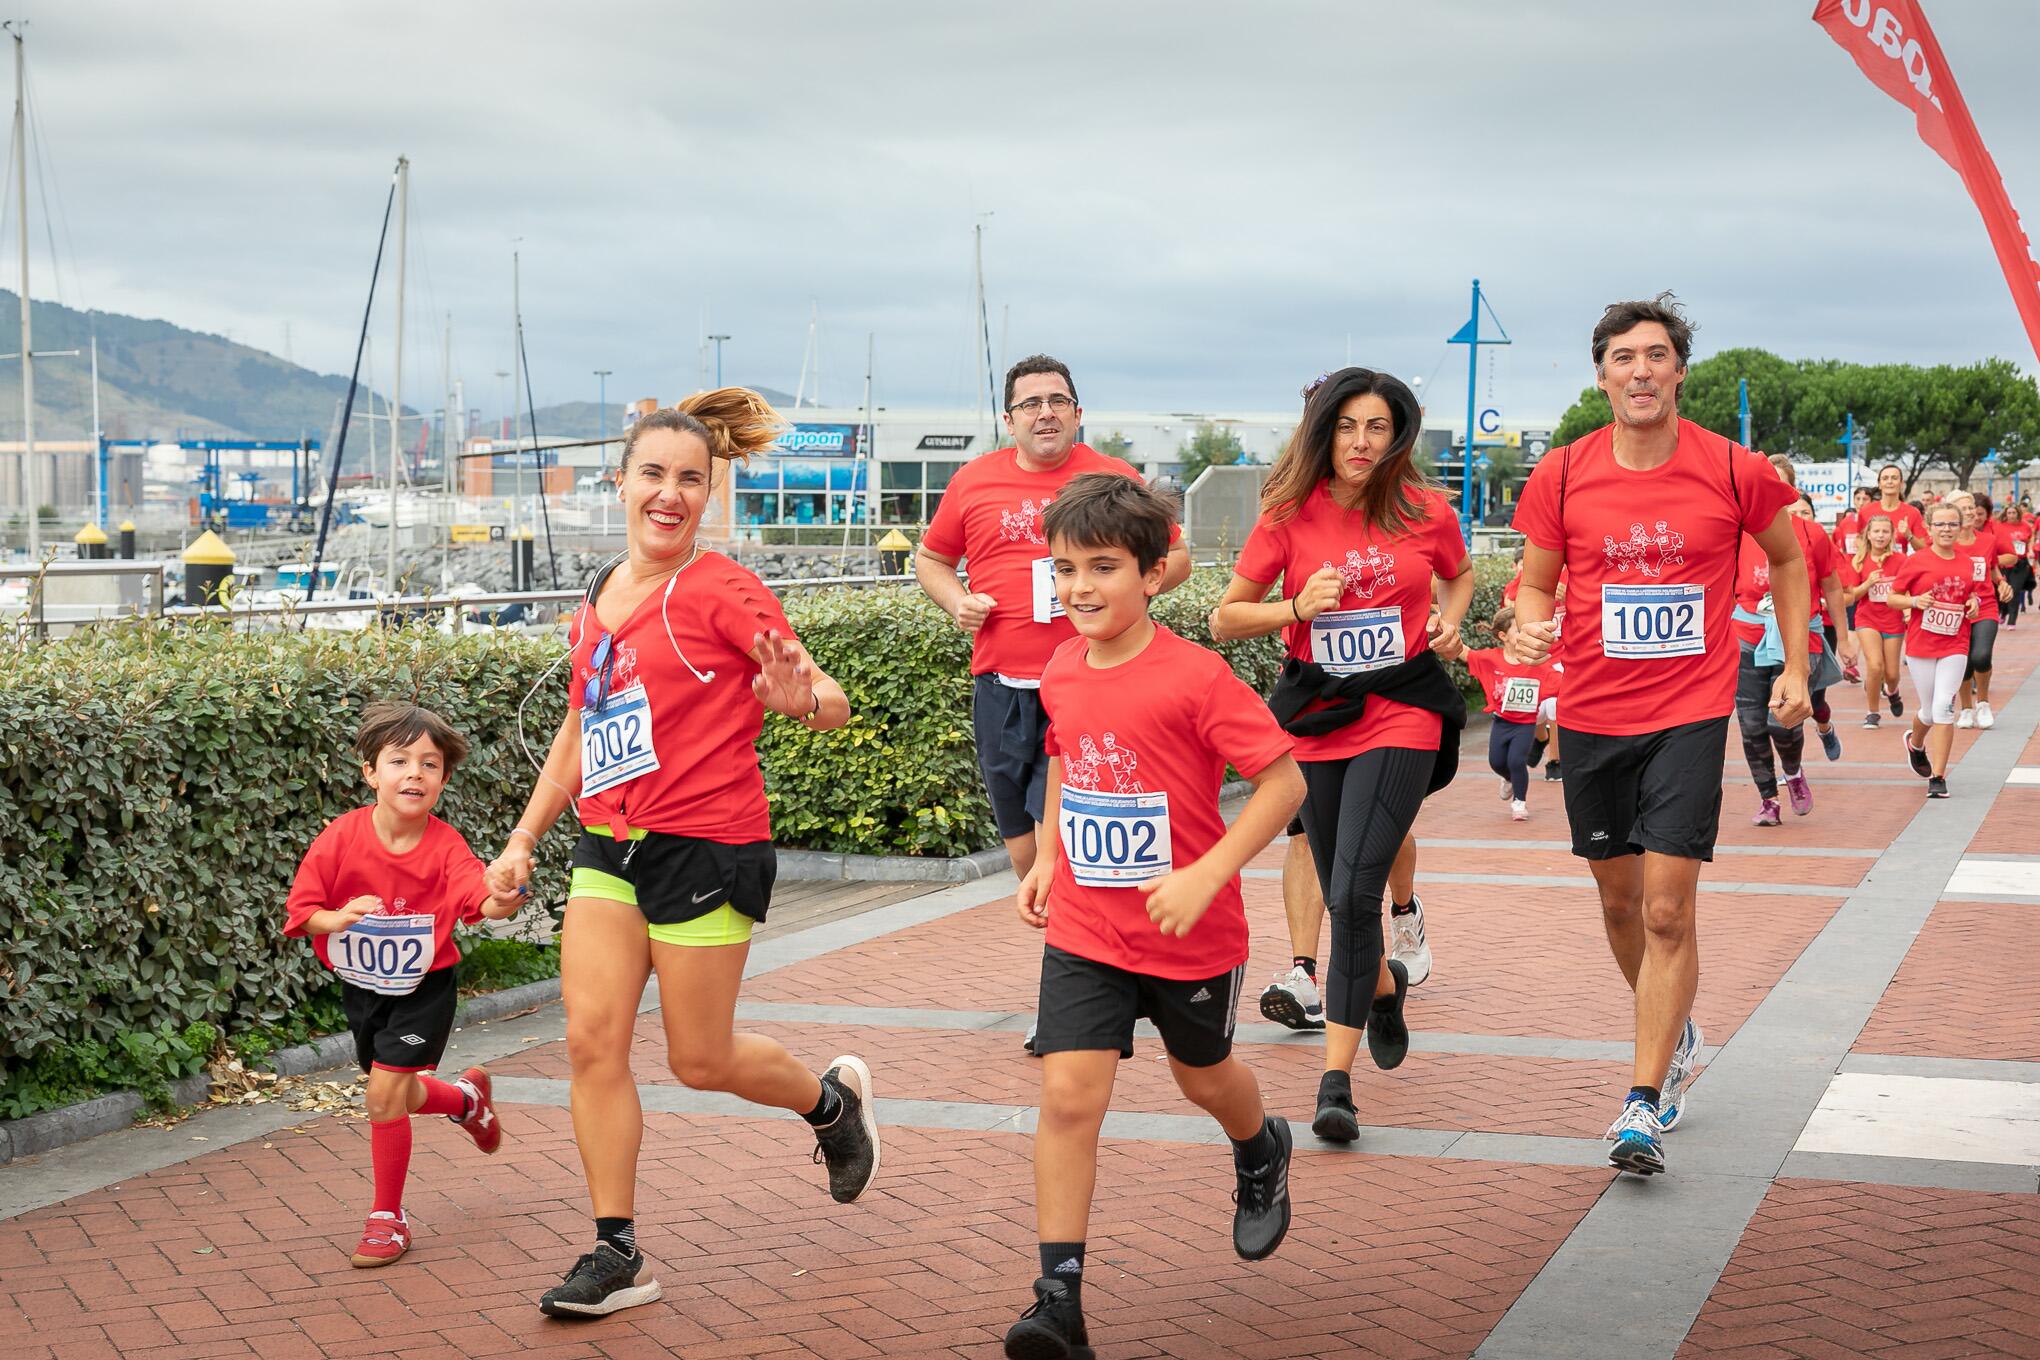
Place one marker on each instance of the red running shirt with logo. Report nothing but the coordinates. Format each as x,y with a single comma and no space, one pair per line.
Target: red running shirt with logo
1534,684
1942,628
1871,610
990,517
1753,579
1381,572
439,875
1165,723
1663,543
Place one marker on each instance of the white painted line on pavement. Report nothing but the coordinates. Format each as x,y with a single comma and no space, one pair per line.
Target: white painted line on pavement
1995,877
2024,774
1936,1118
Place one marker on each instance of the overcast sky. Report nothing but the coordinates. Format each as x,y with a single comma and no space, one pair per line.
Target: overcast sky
1199,206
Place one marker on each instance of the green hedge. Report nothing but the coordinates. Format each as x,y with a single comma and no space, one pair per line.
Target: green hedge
158,786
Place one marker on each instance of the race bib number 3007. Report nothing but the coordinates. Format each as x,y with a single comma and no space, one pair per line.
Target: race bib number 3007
386,954
1350,641
1641,623
616,744
1114,840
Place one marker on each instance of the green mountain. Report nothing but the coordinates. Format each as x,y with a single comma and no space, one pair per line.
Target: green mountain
157,380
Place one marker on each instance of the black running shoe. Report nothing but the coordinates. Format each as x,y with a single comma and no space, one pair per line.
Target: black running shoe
1053,1329
1937,787
602,1282
1337,1121
1921,766
850,1145
1551,774
1897,704
1261,1200
1388,1038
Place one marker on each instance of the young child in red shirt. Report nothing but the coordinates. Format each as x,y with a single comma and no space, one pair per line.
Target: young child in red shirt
1521,700
1136,883
379,893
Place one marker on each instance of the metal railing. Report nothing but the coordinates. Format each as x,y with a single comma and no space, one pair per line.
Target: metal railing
40,572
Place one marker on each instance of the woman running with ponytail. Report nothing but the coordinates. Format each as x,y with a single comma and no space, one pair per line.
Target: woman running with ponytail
1360,540
1880,629
1908,528
1940,589
2017,529
677,655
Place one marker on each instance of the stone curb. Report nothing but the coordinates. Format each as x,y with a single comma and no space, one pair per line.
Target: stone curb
817,866
87,1119
111,1113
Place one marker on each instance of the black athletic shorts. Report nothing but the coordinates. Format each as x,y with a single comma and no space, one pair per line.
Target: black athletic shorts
674,879
1008,724
1086,1005
1295,827
1656,791
404,1033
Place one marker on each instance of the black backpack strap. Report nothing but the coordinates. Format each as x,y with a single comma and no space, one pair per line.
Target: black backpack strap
602,576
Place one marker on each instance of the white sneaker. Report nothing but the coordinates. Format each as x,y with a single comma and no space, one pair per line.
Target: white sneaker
1984,717
1406,942
1968,718
1519,811
1678,1076
1292,1000
1633,1144
1507,789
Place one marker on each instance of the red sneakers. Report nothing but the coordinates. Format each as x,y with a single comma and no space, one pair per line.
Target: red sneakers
384,1238
481,1123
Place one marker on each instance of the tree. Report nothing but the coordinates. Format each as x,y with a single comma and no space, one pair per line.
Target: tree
1116,445
1208,446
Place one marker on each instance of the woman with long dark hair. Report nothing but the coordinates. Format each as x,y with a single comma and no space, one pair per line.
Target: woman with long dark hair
1991,553
1364,545
2016,527
677,655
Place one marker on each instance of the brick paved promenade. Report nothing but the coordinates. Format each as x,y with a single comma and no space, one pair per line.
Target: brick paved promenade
1856,1176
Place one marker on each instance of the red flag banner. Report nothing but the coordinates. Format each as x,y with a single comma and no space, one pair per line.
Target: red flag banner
1892,45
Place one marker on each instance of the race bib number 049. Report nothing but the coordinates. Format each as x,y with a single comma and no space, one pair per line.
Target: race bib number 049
1350,641
616,744
1652,622
1114,840
1519,694
386,954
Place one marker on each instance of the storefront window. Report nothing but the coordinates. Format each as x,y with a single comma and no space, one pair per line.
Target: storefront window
900,476
757,508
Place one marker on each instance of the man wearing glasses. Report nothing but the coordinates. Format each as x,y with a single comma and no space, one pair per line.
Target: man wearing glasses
990,517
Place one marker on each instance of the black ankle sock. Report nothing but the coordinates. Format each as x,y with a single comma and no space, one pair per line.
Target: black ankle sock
1649,1093
1064,1261
1403,908
1256,1151
620,1233
826,1109
1307,964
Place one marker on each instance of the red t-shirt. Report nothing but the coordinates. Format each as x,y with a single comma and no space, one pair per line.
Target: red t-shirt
703,736
1753,579
990,517
1143,742
1908,526
1985,548
1847,526
1664,543
1943,628
2018,537
1382,617
1513,691
439,877
1871,610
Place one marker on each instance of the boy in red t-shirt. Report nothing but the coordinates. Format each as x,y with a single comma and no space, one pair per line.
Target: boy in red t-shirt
1136,883
1517,697
379,893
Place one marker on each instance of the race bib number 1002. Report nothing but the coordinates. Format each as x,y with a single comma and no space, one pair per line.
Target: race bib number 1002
1351,641
386,954
1653,622
616,744
1114,840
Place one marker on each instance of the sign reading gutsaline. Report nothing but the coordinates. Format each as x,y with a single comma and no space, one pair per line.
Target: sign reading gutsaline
829,441
957,442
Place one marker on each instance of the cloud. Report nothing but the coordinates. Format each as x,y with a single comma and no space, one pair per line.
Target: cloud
1199,205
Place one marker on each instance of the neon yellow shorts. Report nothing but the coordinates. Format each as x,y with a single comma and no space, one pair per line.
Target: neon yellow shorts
724,925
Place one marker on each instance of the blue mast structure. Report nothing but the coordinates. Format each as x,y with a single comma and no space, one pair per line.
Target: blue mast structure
1469,335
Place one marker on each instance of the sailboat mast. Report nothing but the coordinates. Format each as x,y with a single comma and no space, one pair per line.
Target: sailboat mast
977,233
397,379
446,443
31,472
516,400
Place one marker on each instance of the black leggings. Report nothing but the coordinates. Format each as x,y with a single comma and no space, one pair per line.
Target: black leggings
1357,811
1509,746
1760,734
1982,638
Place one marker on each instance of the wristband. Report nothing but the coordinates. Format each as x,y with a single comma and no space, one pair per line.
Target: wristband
1293,609
816,711
521,831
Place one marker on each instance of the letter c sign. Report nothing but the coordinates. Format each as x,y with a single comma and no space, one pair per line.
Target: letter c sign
1490,420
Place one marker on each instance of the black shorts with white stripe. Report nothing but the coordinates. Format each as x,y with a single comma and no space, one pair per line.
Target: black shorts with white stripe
1087,1005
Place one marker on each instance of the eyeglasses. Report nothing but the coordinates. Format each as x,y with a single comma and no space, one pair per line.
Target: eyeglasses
1060,404
596,695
